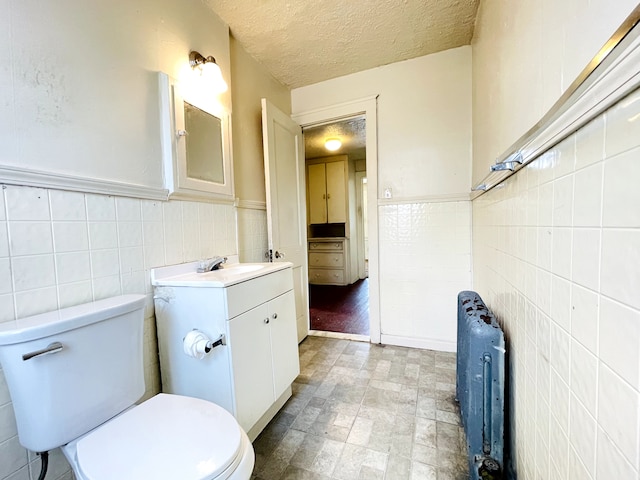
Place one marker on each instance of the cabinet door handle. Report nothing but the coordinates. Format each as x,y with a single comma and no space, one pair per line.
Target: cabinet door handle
274,316
266,320
328,196
324,197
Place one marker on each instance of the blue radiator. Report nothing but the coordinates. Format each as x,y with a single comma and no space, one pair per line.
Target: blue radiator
480,385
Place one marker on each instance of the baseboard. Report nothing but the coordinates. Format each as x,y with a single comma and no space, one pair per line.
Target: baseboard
424,343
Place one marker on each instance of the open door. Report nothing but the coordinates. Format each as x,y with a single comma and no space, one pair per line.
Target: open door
286,211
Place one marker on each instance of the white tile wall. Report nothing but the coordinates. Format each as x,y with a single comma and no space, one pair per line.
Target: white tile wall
252,235
425,260
59,249
577,388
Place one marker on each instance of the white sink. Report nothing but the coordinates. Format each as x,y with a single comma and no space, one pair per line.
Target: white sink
239,268
185,275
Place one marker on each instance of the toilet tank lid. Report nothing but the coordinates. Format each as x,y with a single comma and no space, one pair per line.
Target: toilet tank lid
65,319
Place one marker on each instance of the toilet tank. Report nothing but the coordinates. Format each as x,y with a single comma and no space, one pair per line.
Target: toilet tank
98,373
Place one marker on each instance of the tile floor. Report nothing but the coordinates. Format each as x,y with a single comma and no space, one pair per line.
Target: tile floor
362,411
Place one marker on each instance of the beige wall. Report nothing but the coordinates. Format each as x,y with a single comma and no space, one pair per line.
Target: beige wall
525,55
424,153
251,82
424,120
79,94
79,85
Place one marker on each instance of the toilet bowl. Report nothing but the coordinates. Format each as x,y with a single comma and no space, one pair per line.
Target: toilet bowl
157,439
75,375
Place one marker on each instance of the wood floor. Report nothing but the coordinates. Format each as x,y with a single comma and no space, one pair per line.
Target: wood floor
343,309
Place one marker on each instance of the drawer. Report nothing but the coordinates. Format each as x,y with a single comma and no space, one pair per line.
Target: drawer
326,259
244,296
326,245
326,276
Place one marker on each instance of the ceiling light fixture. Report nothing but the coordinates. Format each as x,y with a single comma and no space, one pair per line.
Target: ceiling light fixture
210,69
332,144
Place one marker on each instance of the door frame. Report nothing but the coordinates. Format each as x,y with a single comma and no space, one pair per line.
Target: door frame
360,225
330,114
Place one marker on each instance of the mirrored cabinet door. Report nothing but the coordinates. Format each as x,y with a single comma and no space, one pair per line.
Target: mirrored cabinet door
196,147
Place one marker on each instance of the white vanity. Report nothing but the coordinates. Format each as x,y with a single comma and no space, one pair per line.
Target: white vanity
251,309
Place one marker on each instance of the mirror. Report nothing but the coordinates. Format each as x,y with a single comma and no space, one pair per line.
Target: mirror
196,147
203,145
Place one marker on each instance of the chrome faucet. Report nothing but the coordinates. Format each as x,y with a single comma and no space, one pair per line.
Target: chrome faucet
211,264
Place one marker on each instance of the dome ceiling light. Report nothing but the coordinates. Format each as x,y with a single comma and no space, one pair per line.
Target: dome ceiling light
332,144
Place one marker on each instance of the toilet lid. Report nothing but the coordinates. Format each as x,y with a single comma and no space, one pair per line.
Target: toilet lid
166,437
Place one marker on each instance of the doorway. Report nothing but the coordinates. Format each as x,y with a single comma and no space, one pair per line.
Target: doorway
337,227
330,113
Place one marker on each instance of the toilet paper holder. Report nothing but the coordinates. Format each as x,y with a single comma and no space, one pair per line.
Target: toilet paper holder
197,344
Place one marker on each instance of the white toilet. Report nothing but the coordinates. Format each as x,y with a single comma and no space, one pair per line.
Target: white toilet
74,376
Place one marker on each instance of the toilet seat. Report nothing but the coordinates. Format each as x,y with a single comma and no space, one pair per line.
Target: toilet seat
166,437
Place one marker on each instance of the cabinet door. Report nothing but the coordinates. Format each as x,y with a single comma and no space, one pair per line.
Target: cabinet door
317,193
250,346
336,192
284,342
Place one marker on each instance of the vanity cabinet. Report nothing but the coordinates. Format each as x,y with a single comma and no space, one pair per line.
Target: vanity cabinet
328,261
327,191
264,356
251,374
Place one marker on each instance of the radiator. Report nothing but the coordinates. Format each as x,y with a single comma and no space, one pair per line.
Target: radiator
480,385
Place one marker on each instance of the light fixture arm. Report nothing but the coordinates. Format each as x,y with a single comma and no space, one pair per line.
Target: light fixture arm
208,64
196,59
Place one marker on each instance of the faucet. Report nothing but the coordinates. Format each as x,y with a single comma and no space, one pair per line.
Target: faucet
211,264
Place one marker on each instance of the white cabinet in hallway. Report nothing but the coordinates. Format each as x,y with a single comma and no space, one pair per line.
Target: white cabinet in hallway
327,261
327,189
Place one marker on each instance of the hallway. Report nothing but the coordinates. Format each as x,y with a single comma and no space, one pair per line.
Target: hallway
343,309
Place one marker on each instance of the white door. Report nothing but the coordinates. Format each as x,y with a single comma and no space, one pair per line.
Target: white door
286,211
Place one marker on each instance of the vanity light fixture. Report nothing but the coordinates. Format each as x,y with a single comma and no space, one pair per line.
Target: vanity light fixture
208,68
332,144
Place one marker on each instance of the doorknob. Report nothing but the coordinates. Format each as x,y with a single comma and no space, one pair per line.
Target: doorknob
279,254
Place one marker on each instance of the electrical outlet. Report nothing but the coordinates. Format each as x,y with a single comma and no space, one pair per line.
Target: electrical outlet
388,192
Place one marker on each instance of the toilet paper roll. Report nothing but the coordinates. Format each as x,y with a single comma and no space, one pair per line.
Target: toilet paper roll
196,344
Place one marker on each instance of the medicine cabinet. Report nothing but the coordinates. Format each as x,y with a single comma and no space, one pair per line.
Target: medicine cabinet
196,146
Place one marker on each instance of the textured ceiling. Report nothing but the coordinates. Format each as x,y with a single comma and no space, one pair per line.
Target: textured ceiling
302,42
350,132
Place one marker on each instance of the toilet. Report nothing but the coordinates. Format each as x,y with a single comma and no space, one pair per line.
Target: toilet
74,376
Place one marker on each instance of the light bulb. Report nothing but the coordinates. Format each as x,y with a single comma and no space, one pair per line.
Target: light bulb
211,71
332,144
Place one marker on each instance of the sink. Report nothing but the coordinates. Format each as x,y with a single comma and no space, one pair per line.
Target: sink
185,275
239,268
